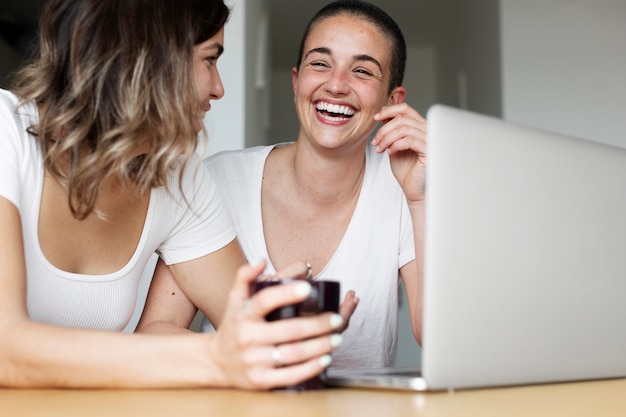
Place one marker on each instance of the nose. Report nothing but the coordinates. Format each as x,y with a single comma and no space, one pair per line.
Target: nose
337,84
217,88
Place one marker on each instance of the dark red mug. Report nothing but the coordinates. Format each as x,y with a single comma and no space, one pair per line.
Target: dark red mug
324,297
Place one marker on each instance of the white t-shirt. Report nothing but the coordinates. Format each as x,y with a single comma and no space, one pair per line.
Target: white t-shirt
376,244
178,231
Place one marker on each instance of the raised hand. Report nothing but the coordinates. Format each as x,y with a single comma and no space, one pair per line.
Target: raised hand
403,135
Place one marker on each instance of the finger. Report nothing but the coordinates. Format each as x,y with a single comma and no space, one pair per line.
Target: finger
295,270
402,121
272,297
346,309
408,143
294,352
297,328
403,140
246,275
396,110
267,277
267,378
419,127
398,128
389,112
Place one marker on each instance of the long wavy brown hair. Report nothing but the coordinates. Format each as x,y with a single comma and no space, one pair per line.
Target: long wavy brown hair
112,75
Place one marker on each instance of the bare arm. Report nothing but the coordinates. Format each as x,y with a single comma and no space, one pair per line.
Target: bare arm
403,135
33,354
239,355
413,274
177,291
169,310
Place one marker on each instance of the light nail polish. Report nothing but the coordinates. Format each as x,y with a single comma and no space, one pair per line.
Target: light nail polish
336,321
336,340
303,289
324,361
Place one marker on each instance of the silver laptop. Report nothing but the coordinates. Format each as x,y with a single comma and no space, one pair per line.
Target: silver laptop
525,269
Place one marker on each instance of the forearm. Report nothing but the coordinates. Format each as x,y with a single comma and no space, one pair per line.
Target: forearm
161,327
239,355
177,291
37,355
417,211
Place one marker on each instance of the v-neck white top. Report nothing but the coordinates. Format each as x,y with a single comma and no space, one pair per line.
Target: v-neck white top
376,244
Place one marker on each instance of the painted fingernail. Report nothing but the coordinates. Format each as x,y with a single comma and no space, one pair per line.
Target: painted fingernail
324,361
336,340
336,321
303,289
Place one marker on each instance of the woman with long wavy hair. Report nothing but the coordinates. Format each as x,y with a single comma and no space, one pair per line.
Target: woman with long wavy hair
98,171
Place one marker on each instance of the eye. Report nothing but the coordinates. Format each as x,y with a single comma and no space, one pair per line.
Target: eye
319,64
211,60
363,71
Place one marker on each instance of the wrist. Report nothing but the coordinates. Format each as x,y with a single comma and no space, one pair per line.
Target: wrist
416,205
213,373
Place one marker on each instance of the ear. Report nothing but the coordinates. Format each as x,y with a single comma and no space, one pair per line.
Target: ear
397,95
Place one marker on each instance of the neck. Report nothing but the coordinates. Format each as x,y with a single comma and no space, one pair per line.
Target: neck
327,178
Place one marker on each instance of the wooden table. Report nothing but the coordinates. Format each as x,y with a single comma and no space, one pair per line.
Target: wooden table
589,399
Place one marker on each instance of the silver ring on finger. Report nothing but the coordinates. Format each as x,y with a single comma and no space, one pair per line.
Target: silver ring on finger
277,358
309,271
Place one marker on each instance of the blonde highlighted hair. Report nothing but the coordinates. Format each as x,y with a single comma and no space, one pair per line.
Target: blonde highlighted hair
110,76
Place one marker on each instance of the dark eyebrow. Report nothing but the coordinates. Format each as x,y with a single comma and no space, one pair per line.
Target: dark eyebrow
363,57
218,46
320,50
370,59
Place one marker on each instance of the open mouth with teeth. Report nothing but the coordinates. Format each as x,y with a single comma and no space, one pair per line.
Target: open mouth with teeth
334,112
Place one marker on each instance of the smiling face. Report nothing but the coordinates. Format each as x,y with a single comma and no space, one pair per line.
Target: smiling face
343,81
208,82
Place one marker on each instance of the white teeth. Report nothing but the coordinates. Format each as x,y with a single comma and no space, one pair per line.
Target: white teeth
334,108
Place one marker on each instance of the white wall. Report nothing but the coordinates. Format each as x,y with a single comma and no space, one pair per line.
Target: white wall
224,122
564,66
238,120
284,120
